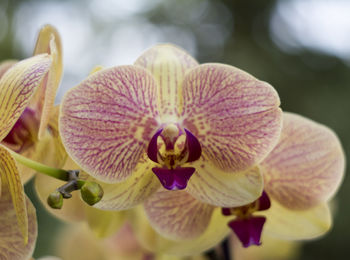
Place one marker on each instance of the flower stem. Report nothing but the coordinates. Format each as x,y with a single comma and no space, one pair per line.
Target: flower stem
50,171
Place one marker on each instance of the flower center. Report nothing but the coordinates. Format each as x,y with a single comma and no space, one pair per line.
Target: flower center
247,227
24,133
171,147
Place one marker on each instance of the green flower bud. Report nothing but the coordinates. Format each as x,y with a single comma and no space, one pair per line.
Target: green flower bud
55,200
91,192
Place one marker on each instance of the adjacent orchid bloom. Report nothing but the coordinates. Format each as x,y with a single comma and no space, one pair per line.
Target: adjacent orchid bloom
301,174
36,128
168,120
18,220
77,242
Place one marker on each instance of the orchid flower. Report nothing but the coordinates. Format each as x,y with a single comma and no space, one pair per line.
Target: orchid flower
18,227
301,174
36,128
166,120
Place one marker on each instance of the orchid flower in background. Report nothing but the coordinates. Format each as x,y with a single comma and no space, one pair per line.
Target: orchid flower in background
18,228
301,174
167,120
78,242
36,129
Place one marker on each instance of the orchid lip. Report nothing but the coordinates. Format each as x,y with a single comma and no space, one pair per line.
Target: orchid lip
24,132
171,175
246,226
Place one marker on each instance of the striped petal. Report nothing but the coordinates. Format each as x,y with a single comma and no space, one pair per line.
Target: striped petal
11,237
234,116
5,65
215,232
168,64
107,121
307,165
11,183
17,86
211,185
43,101
177,215
291,224
131,192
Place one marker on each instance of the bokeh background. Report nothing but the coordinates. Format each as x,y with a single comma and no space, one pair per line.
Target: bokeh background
301,47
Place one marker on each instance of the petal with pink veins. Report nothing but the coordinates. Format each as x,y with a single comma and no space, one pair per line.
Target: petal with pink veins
235,117
307,165
108,120
12,245
17,86
216,187
177,215
168,64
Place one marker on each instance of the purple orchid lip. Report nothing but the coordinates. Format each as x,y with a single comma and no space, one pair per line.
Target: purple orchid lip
248,230
171,176
174,179
22,132
247,227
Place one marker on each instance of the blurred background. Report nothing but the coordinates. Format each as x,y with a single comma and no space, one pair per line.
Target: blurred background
301,47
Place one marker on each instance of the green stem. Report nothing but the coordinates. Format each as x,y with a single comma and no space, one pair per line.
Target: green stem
53,172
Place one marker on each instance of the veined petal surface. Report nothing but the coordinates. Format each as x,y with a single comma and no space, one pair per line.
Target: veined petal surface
11,183
48,42
17,86
12,245
234,116
216,187
107,121
215,232
307,165
289,224
177,215
168,64
131,192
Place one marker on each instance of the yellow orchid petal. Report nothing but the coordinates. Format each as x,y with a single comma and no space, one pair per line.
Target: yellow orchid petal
289,224
307,165
168,64
10,179
5,65
235,117
216,231
271,248
17,86
107,121
177,215
11,237
48,42
104,223
216,187
131,192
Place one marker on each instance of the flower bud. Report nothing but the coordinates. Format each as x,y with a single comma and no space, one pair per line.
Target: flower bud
55,200
91,192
